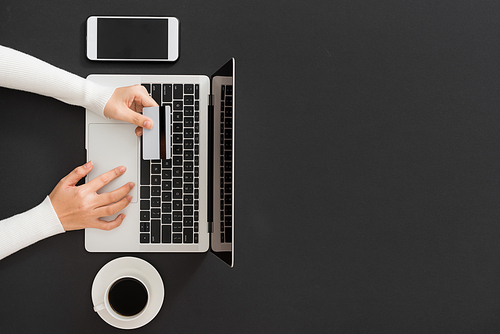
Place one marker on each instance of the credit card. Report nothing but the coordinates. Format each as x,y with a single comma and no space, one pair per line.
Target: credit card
156,142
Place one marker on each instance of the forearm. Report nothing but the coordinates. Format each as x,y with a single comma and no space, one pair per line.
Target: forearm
29,227
24,72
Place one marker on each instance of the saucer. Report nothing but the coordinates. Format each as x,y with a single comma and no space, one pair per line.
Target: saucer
125,266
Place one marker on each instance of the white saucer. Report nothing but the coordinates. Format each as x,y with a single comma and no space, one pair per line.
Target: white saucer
139,268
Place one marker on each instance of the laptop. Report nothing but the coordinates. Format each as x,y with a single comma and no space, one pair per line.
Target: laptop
181,204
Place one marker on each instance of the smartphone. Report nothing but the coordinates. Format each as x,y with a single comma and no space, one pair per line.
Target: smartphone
132,38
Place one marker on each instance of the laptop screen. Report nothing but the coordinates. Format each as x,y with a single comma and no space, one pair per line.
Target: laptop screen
222,185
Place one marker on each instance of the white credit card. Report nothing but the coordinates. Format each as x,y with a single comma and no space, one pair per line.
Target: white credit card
156,142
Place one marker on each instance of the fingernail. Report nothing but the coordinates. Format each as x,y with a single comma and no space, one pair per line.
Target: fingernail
122,169
129,198
87,165
132,185
148,124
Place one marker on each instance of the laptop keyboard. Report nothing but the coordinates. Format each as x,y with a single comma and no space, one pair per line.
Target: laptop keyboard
226,158
169,193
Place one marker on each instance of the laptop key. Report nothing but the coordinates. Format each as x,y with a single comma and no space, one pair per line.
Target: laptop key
155,231
144,238
188,89
177,116
188,235
156,191
166,174
177,227
177,216
166,196
188,122
155,213
178,91
144,216
188,133
177,205
188,210
178,162
167,93
189,100
188,221
155,180
188,188
166,218
156,93
155,202
145,172
177,138
144,227
155,169
178,105
188,111
145,204
177,182
177,127
166,185
177,237
166,234
166,207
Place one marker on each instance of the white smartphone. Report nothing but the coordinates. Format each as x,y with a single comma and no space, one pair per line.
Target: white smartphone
132,38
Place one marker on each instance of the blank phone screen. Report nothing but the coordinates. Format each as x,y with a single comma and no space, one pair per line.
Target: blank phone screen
123,38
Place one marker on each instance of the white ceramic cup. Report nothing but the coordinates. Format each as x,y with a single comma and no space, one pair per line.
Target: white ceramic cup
106,305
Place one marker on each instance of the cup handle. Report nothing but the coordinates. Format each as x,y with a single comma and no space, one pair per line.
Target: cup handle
99,307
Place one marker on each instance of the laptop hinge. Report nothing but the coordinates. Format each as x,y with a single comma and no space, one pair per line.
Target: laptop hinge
210,227
210,100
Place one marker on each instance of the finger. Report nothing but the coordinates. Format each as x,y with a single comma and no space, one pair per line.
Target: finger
138,131
107,226
111,209
105,178
136,118
77,174
144,98
115,195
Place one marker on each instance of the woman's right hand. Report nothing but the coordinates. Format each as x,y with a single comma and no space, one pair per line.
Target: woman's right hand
81,207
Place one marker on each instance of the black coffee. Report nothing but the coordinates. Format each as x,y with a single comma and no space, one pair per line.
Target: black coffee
128,296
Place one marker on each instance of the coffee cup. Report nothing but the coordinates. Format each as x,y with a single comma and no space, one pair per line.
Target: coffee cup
126,298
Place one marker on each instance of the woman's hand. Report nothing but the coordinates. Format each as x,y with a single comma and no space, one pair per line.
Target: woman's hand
126,104
81,207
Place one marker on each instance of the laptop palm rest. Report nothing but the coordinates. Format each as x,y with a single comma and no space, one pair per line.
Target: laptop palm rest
110,146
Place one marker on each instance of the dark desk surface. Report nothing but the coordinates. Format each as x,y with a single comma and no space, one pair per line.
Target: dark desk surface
368,168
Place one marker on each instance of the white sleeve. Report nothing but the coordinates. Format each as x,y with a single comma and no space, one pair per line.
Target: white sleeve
23,72
29,227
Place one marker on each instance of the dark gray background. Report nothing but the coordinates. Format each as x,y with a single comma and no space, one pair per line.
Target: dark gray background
367,168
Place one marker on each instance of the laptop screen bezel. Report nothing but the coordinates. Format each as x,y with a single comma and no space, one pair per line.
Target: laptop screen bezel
227,70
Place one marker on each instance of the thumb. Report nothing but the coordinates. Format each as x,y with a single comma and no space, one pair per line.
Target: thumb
77,174
136,118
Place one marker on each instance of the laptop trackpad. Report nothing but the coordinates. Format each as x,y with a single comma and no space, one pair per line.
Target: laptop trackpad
110,146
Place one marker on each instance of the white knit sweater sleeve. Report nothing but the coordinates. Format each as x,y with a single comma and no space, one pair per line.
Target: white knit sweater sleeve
28,227
24,72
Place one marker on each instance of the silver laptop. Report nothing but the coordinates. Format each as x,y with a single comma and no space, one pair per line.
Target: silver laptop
182,204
